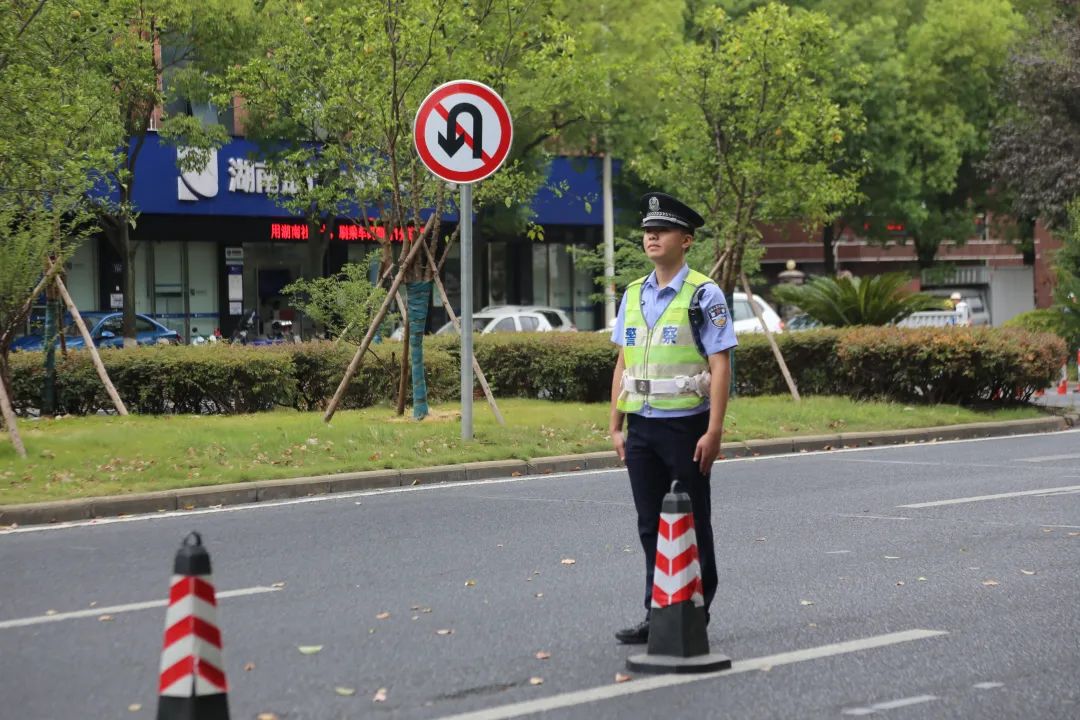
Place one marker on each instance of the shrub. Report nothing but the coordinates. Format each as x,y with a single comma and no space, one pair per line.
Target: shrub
955,365
1047,320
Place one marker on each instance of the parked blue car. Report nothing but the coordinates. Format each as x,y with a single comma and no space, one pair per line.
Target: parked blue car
107,331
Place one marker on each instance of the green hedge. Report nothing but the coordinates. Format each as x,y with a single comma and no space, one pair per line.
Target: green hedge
951,365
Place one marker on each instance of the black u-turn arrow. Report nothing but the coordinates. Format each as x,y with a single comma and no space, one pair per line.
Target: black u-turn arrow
452,141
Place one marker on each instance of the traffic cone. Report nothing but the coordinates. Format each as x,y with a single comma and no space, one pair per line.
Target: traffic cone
678,642
192,681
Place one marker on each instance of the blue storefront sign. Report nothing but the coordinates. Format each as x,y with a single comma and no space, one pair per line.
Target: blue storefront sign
237,183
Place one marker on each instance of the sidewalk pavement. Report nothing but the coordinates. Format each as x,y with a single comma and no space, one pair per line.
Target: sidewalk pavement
269,490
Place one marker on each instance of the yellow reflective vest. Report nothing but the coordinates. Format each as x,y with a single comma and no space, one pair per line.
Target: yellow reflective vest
665,352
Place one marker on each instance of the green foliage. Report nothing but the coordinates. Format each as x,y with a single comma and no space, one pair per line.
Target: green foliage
1067,272
1035,148
55,137
750,126
929,100
1047,320
344,303
870,300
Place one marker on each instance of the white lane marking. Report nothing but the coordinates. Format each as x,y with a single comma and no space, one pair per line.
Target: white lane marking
875,517
890,705
1051,458
116,609
995,496
1062,492
836,552
497,481
656,682
987,685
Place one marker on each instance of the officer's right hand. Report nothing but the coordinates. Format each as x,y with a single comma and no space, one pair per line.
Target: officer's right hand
619,444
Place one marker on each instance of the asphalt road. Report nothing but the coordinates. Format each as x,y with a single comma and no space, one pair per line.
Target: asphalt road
842,593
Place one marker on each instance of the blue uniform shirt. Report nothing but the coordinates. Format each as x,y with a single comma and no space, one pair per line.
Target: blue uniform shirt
655,300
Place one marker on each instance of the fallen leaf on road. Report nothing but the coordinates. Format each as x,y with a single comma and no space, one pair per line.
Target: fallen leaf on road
892,557
382,616
414,607
425,610
309,649
380,695
1028,572
542,655
536,681
415,617
470,583
759,539
899,583
1075,534
568,561
990,583
345,692
806,602
50,612
249,666
445,631
813,625
515,474
277,585
134,707
539,595
266,716
106,618
621,677
1048,530
93,603
921,579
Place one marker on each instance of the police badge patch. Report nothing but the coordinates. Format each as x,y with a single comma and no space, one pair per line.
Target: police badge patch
718,315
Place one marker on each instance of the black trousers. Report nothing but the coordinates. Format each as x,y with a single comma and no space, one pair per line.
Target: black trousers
659,450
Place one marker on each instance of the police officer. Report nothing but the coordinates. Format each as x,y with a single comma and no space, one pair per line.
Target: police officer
671,385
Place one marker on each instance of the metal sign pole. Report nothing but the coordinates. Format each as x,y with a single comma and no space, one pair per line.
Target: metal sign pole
466,313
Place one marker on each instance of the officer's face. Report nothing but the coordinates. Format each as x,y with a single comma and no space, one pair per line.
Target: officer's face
665,243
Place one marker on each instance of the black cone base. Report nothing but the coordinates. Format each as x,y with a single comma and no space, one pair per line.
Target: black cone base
204,707
678,643
647,663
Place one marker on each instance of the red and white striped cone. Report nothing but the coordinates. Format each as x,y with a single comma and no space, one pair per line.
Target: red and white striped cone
192,683
678,641
1063,384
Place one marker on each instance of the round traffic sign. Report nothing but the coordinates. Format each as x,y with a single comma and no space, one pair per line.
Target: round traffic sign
462,131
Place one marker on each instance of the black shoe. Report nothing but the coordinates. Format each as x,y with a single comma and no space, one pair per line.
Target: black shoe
637,635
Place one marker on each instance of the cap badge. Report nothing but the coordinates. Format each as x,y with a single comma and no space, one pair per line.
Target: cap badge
654,204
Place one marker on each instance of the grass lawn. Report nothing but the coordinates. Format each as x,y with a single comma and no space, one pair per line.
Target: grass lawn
107,455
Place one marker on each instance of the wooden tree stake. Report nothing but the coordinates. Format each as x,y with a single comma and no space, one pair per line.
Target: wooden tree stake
772,341
98,365
391,295
457,324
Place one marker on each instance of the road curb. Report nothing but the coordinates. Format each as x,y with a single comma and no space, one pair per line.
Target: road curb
269,490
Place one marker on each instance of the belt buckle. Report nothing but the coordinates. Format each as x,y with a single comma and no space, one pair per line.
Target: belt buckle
641,386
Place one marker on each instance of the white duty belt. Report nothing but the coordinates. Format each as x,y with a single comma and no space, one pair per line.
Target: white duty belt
678,385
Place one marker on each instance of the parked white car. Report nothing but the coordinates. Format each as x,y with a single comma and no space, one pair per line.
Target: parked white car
486,323
557,318
743,315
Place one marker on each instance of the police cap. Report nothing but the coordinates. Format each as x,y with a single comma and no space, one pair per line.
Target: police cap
661,210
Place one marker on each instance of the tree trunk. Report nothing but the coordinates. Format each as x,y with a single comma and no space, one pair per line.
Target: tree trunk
925,251
403,369
419,294
129,250
828,241
48,390
6,411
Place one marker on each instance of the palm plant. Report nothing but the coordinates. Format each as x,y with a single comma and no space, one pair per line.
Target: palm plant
872,300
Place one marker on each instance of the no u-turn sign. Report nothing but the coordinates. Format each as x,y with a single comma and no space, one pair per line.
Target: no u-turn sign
462,131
